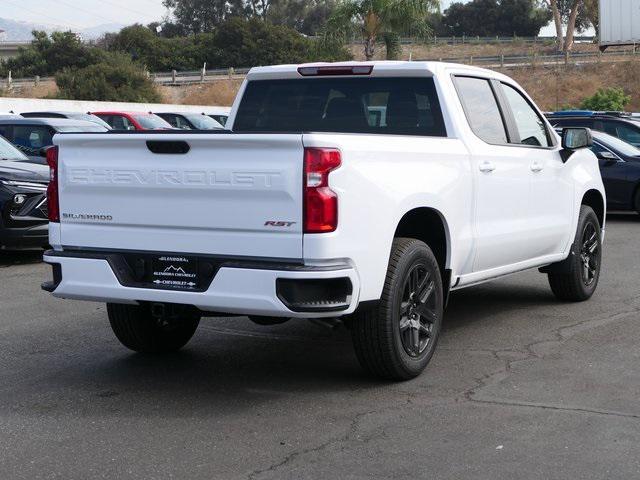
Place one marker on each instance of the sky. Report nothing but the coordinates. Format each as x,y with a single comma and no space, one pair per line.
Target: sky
81,14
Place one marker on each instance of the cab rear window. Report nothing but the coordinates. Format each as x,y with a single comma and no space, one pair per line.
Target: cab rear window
391,106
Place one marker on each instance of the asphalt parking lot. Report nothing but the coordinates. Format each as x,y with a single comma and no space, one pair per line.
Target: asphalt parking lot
521,386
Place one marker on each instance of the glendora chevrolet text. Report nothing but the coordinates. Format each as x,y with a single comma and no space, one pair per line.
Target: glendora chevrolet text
365,191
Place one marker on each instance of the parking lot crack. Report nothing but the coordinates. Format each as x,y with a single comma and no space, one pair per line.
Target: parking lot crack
561,408
351,432
537,351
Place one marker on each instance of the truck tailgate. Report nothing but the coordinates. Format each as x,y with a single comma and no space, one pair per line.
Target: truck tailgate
228,195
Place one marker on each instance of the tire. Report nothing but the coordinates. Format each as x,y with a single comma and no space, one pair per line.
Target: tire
579,280
636,201
397,345
139,331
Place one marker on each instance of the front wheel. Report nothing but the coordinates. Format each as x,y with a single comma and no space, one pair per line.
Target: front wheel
397,339
580,278
140,331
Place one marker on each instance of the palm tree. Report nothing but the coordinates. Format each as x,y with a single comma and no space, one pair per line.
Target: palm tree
380,19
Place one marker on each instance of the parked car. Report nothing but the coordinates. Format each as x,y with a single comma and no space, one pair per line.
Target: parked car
23,202
221,119
620,169
624,126
32,135
87,117
306,209
190,121
133,121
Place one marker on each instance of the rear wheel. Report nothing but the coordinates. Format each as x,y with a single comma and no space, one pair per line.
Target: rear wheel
397,339
580,278
139,330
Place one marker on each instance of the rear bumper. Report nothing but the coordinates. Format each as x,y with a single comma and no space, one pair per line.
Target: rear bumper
247,289
25,238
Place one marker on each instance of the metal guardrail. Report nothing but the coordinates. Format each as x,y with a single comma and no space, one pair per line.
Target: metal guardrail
197,76
176,78
505,61
495,61
465,39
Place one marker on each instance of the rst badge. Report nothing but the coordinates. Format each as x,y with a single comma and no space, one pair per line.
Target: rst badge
274,223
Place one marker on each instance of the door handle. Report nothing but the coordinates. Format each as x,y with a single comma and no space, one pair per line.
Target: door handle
536,167
487,167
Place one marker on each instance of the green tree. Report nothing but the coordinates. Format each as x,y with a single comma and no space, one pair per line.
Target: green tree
478,17
607,99
495,17
305,16
198,16
245,43
380,20
48,54
592,14
522,18
166,29
152,51
577,15
116,79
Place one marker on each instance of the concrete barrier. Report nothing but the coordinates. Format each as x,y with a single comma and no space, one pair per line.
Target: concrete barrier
19,105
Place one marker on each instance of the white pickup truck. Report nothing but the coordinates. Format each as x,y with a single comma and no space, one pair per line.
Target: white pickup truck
366,191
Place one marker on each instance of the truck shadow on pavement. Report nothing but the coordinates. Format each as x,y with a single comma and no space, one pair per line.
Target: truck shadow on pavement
233,364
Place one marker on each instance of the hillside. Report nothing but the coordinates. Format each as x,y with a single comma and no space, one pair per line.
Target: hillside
552,88
21,31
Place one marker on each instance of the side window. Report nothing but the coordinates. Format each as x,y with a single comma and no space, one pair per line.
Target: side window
127,124
118,122
481,108
180,122
109,120
610,128
30,139
628,134
172,119
531,128
598,149
5,131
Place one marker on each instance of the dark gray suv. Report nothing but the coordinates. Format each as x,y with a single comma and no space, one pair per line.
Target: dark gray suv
32,135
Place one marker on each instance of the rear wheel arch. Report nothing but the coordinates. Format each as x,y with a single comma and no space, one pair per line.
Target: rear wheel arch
593,198
429,226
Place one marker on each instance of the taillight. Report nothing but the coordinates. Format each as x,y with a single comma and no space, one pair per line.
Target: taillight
53,204
320,202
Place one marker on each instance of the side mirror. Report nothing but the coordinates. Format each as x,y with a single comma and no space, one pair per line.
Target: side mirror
608,157
43,151
574,138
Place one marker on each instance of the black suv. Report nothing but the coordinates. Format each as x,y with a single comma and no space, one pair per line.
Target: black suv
23,201
621,125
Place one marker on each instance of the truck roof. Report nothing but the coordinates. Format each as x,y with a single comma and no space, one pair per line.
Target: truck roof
378,69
